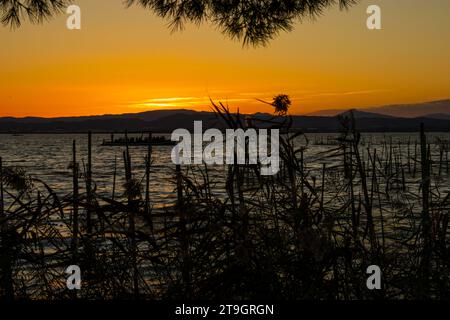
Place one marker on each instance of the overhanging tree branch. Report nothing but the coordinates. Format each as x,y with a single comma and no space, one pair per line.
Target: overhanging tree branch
254,22
12,12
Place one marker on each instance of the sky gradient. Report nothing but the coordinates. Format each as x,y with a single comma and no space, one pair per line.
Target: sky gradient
127,60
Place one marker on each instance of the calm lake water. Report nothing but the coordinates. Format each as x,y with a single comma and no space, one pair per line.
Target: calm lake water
48,157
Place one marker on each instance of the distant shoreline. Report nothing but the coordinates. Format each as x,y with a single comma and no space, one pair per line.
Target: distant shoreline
169,132
169,120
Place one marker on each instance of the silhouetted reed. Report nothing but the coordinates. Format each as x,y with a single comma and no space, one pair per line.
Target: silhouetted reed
303,234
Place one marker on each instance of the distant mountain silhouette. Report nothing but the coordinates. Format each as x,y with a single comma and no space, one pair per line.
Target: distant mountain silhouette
169,120
365,115
441,107
144,116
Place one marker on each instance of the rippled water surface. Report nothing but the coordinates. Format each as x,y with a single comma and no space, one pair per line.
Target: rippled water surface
48,157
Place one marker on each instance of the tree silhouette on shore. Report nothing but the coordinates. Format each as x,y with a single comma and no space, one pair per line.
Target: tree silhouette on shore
254,22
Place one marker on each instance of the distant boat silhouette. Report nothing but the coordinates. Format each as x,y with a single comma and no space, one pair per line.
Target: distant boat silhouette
153,141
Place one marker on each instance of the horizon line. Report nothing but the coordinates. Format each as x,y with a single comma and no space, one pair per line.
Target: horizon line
365,108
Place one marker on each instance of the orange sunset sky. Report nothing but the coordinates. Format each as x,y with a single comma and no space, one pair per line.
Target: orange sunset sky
127,60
